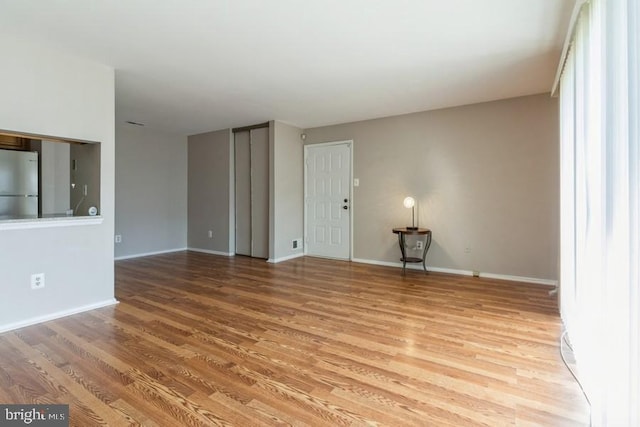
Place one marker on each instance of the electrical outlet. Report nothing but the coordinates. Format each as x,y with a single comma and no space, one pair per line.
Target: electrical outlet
294,244
118,238
211,234
419,244
37,281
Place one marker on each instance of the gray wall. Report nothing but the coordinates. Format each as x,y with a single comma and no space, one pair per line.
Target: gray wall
151,191
55,94
286,190
210,192
485,177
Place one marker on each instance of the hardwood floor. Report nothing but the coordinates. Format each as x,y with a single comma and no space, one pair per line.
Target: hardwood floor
206,340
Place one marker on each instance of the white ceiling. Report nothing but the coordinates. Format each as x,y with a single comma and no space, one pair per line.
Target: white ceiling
191,66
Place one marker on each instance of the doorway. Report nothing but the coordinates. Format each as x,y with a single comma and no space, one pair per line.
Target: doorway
328,199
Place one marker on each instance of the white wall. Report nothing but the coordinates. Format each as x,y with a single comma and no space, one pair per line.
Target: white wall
47,92
151,191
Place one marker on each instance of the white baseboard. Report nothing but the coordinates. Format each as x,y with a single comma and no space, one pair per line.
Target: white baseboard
167,251
534,280
56,315
285,258
412,266
207,251
416,266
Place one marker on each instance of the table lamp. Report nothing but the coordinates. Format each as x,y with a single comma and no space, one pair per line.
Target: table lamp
409,202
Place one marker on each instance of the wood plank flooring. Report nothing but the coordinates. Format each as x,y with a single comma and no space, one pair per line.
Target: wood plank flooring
203,340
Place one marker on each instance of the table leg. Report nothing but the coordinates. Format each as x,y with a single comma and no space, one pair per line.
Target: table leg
427,243
404,256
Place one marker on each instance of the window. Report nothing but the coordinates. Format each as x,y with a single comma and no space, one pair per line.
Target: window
57,177
600,193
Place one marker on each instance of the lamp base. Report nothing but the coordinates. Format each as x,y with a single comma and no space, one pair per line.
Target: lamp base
411,228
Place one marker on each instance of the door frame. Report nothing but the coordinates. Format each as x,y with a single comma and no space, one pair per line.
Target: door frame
349,144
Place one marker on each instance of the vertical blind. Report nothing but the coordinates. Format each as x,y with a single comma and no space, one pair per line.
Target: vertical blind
600,207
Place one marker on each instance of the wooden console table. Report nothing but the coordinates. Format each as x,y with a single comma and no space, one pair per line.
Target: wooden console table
402,232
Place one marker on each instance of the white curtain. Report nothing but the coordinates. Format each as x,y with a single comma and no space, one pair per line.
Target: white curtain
600,194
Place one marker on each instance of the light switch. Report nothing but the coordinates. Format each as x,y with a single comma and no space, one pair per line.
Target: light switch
356,182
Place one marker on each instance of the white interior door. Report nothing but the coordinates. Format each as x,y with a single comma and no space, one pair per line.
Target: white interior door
328,200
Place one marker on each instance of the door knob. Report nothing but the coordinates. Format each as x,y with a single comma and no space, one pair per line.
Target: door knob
346,200
345,207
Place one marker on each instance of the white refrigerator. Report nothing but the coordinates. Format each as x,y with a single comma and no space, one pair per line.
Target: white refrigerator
18,184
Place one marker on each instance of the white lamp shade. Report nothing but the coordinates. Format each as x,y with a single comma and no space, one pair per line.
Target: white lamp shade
409,202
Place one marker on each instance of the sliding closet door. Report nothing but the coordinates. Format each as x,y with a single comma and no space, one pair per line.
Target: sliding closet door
260,192
243,192
252,192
